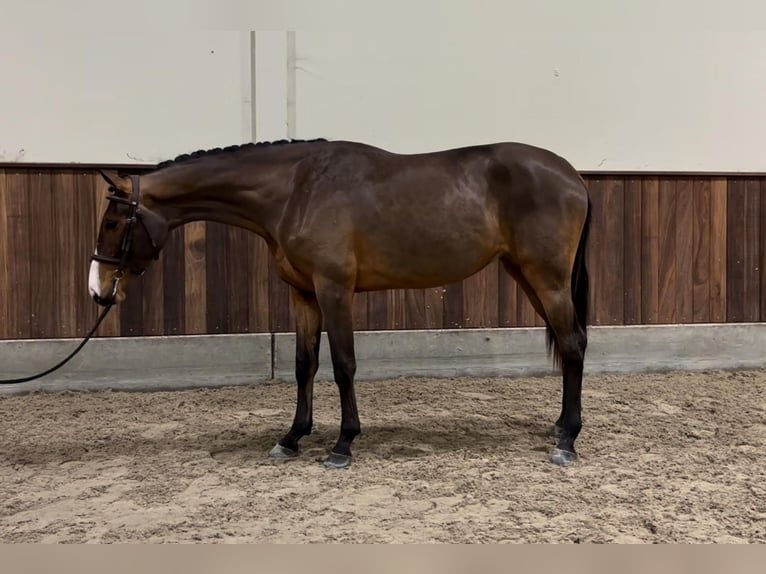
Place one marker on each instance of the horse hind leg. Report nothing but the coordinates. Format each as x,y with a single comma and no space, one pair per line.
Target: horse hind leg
567,341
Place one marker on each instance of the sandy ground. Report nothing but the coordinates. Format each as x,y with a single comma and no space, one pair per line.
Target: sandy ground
664,458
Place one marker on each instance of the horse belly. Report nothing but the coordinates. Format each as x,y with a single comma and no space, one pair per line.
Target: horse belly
423,262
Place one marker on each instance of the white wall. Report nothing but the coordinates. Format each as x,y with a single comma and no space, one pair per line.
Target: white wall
632,85
121,97
613,86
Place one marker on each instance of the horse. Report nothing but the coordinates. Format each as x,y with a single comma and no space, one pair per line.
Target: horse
343,217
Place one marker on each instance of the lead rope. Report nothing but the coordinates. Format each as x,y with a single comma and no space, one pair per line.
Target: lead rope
101,317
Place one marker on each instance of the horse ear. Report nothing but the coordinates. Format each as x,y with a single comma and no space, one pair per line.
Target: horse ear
115,180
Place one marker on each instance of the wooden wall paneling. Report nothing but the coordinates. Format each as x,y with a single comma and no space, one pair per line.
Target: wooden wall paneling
596,254
258,284
396,309
5,263
735,250
762,252
18,213
377,310
612,256
701,250
670,249
414,309
650,250
173,279
718,248
282,320
684,228
434,308
507,295
153,304
359,311
131,310
632,254
480,294
43,279
238,269
195,278
217,291
67,259
752,274
453,305
667,250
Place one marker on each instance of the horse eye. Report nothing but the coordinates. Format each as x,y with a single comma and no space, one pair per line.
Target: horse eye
111,225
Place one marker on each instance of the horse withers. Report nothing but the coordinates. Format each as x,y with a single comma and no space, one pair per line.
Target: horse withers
342,217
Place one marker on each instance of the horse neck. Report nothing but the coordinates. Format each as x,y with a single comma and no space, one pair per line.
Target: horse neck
247,194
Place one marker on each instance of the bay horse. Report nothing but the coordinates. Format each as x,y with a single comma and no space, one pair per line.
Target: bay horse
343,217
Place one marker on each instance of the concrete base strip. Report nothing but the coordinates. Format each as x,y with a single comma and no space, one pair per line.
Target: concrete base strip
140,363
166,363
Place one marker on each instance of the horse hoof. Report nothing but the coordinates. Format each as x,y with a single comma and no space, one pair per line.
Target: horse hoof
562,457
280,452
336,460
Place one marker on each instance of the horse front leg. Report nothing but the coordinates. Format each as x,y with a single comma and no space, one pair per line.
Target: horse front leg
335,302
308,329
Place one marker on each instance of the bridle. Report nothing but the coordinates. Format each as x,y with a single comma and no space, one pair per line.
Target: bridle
122,259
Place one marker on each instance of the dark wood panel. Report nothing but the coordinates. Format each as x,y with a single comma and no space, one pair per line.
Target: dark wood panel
752,275
414,309
195,278
5,263
377,310
281,318
238,269
507,295
174,276
735,251
396,313
667,251
453,306
359,311
762,253
701,251
67,297
434,313
597,249
17,211
613,213
153,309
132,309
43,279
217,290
258,284
480,292
650,251
718,249
684,228
632,252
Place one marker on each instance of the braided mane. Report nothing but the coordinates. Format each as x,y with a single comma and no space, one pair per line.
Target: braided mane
229,149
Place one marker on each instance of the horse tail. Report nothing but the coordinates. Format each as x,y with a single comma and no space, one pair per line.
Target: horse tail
580,286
